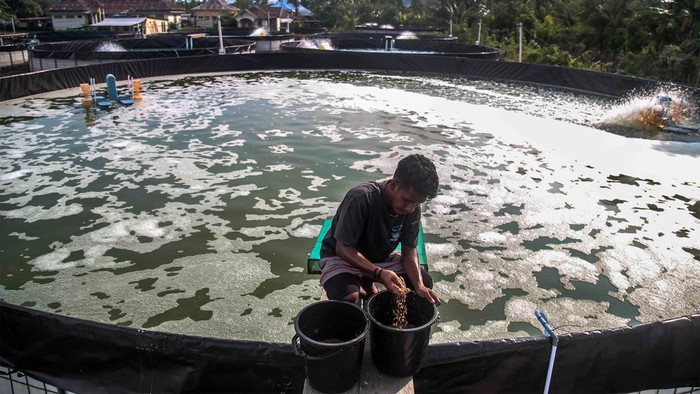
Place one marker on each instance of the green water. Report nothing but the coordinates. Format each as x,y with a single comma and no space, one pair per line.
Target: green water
194,210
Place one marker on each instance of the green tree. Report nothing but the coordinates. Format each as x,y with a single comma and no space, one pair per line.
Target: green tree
416,15
348,15
458,11
25,8
243,4
505,16
389,14
652,38
5,11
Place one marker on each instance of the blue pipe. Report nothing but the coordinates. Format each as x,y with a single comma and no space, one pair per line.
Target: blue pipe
555,341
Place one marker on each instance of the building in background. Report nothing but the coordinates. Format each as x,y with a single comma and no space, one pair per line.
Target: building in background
206,14
76,14
142,25
274,19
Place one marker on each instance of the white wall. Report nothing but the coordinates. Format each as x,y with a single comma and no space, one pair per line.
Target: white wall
67,22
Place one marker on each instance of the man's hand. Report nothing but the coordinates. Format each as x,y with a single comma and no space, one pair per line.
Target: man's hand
428,294
391,281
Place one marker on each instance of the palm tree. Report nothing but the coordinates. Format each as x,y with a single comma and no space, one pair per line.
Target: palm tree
610,18
348,14
458,11
687,16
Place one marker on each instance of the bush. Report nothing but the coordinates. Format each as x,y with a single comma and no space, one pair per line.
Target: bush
551,55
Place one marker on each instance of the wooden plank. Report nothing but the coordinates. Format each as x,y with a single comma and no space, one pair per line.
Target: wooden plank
371,380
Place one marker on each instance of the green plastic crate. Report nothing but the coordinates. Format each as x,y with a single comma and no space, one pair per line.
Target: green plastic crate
315,256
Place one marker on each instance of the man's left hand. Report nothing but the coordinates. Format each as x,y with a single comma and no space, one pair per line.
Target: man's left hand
428,294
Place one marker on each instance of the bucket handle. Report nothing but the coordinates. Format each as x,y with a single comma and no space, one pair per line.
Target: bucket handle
297,350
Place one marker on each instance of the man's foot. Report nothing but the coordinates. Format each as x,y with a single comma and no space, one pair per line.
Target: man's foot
368,288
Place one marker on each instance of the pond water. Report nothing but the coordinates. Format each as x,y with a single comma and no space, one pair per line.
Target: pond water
193,211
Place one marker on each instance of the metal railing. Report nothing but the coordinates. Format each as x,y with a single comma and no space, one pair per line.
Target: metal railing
16,382
13,55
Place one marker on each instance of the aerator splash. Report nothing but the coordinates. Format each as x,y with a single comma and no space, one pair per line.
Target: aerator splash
666,114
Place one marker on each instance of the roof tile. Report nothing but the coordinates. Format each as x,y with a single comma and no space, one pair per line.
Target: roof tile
214,5
116,7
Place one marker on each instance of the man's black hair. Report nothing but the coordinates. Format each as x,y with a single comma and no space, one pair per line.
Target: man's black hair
418,171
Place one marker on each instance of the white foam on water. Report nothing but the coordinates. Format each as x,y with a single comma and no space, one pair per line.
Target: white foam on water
569,315
281,149
451,331
570,268
474,286
52,261
148,228
306,231
439,249
109,46
279,167
15,174
317,183
492,237
331,132
613,153
13,154
32,214
521,192
275,133
267,206
23,236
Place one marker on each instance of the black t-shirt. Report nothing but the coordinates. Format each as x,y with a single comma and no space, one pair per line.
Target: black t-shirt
363,222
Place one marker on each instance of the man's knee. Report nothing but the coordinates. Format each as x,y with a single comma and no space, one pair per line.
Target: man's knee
344,287
352,297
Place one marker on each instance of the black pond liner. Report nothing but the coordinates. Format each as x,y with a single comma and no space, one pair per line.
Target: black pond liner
85,356
427,47
400,351
173,46
593,82
330,336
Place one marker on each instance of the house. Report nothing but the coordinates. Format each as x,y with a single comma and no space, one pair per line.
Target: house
143,25
206,14
274,19
74,14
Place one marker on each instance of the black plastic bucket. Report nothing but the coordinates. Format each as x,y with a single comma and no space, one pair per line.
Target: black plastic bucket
332,336
395,351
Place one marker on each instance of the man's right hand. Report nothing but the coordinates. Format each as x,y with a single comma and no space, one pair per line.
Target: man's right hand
391,281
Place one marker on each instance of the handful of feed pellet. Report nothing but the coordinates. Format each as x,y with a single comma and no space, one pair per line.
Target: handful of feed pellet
400,312
401,287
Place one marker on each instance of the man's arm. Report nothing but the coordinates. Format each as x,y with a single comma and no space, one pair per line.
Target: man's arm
388,277
411,265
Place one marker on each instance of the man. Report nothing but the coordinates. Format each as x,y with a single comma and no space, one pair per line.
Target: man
370,222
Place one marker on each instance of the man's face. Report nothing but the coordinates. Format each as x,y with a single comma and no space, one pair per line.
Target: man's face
402,200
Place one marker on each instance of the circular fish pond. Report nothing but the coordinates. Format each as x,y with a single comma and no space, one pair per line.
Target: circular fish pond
193,211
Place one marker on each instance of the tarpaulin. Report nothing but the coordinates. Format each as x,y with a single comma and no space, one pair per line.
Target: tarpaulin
378,34
90,357
444,46
171,46
663,354
560,77
85,356
74,35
